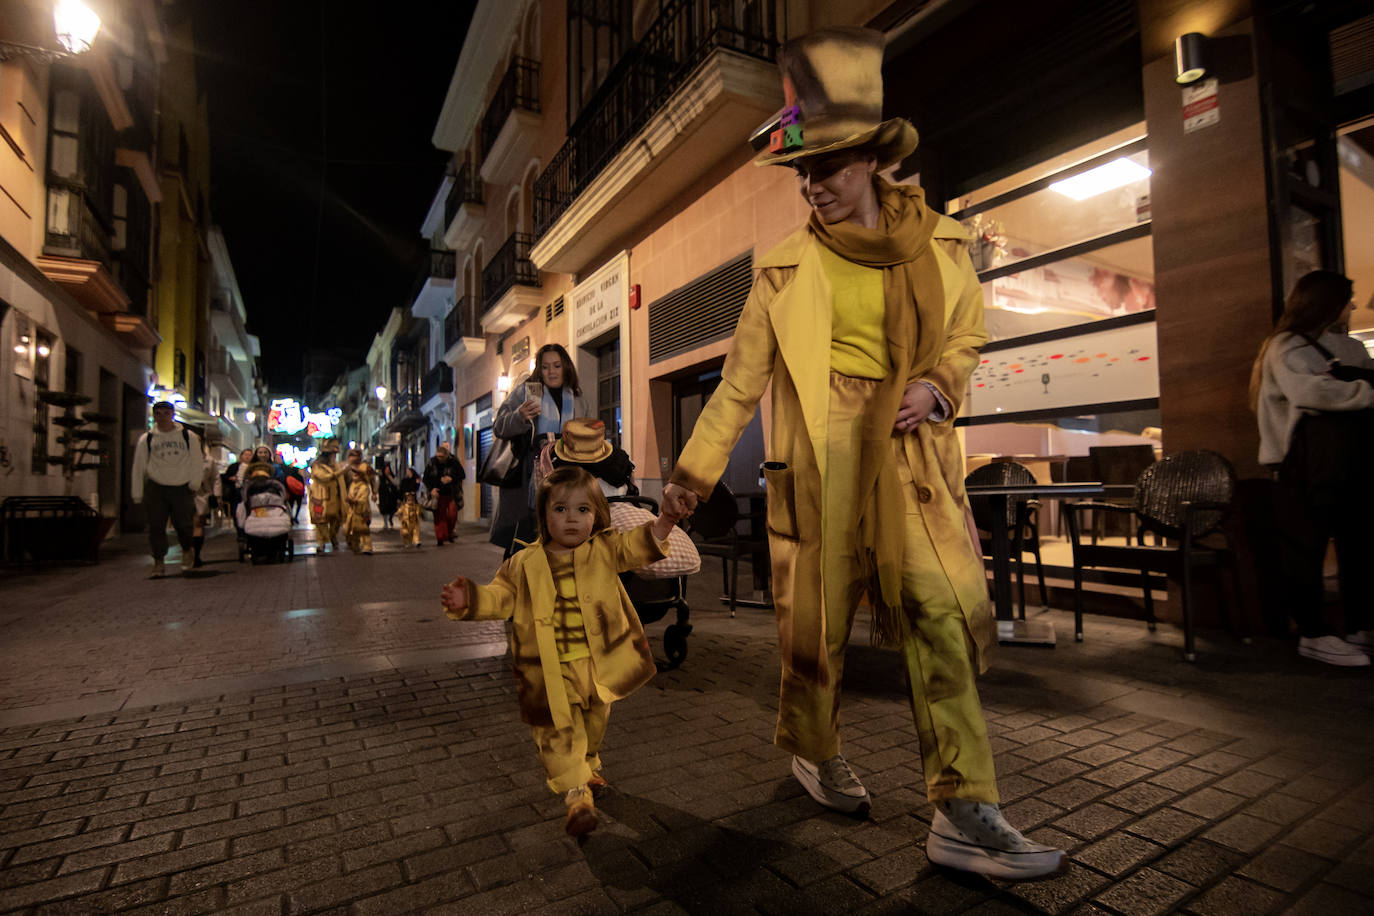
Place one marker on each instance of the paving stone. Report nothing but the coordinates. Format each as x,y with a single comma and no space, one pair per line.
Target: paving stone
1092,821
1061,892
120,899
1280,809
1242,832
1072,794
1182,779
1199,862
1286,868
170,862
1118,853
1167,826
1144,893
1210,803
55,888
1327,899
1117,774
1236,897
1141,797
1322,839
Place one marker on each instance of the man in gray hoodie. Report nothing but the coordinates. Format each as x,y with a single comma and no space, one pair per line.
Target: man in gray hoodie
168,466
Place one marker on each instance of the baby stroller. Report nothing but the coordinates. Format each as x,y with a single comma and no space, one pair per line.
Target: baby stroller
264,521
653,598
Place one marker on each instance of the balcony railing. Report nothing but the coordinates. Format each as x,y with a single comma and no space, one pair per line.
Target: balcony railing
438,380
683,35
442,264
519,89
406,400
457,324
467,189
510,265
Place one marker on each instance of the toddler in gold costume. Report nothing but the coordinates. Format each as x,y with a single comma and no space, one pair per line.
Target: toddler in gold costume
409,515
576,640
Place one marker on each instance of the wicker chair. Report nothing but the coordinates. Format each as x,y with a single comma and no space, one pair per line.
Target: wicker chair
1180,501
1023,521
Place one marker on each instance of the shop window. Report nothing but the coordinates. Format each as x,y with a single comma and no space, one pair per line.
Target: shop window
608,388
1064,254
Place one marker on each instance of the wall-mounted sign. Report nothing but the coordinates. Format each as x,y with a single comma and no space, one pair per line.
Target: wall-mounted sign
599,301
520,352
321,425
1200,106
286,417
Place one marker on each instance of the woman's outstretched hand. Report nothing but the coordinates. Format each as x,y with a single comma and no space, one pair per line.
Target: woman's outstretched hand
917,404
678,501
455,595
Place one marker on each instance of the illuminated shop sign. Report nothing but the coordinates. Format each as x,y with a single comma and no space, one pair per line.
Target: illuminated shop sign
288,417
296,457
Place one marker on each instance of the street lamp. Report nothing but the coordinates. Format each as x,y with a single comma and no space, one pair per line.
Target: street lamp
249,416
75,26
380,391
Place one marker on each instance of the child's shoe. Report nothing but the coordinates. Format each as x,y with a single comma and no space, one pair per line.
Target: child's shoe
598,784
581,812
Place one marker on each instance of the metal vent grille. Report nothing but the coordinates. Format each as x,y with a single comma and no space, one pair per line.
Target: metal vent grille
553,310
1352,54
703,311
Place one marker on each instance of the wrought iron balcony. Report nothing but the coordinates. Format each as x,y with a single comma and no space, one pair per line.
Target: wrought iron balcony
438,380
457,324
467,189
442,264
510,266
519,89
685,33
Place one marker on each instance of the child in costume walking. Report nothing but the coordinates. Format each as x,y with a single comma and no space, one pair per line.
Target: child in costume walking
577,642
409,514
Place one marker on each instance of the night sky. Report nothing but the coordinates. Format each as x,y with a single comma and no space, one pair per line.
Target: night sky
322,169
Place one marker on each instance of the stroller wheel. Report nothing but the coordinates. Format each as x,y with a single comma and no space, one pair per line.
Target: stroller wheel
675,643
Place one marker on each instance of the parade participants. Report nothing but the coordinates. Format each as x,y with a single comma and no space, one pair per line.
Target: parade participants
444,479
326,496
866,321
534,410
388,494
409,514
232,482
168,466
359,483
576,640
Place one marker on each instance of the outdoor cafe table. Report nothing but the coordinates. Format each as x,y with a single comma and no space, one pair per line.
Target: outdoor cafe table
1011,631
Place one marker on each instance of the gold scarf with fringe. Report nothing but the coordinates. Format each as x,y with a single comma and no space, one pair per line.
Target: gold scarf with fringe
914,326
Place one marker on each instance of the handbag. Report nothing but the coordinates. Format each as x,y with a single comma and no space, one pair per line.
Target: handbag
501,464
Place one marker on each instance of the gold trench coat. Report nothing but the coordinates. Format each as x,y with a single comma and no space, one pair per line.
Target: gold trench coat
783,336
523,592
326,487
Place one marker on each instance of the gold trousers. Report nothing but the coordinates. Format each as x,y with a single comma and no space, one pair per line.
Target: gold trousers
410,530
937,649
327,532
570,755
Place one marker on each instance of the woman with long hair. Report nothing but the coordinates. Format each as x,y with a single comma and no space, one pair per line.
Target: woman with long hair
533,413
1314,411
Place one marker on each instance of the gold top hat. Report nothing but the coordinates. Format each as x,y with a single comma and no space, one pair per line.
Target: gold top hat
583,442
329,445
832,83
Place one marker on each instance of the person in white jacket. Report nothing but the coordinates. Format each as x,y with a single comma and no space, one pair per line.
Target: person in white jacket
1310,367
168,466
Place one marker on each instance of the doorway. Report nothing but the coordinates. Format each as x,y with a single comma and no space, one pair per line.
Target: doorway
690,395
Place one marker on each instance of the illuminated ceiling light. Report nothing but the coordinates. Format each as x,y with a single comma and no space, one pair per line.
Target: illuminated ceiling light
1115,174
43,350
76,25
1190,58
503,383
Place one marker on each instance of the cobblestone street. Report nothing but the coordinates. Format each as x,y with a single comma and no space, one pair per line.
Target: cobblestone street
316,737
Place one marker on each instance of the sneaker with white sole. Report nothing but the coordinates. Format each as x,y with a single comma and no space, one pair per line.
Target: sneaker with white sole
158,571
1333,651
833,784
188,561
1362,640
974,836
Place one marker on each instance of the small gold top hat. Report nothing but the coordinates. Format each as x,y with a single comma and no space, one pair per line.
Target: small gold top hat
329,445
583,442
832,83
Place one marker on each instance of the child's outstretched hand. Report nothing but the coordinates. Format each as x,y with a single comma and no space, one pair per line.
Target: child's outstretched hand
455,595
668,516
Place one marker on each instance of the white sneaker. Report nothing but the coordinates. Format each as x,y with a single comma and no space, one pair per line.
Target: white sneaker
1333,650
1363,640
188,561
974,836
833,784
158,571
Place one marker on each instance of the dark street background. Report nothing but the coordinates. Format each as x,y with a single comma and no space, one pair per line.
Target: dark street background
322,168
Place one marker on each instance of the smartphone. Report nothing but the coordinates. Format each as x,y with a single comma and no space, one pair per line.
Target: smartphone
534,391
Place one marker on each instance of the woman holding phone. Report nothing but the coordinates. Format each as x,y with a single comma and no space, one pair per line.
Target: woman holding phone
534,410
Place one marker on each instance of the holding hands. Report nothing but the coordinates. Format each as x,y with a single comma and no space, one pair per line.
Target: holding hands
679,501
668,516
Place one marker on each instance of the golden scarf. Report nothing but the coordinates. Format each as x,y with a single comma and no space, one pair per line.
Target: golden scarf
914,325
